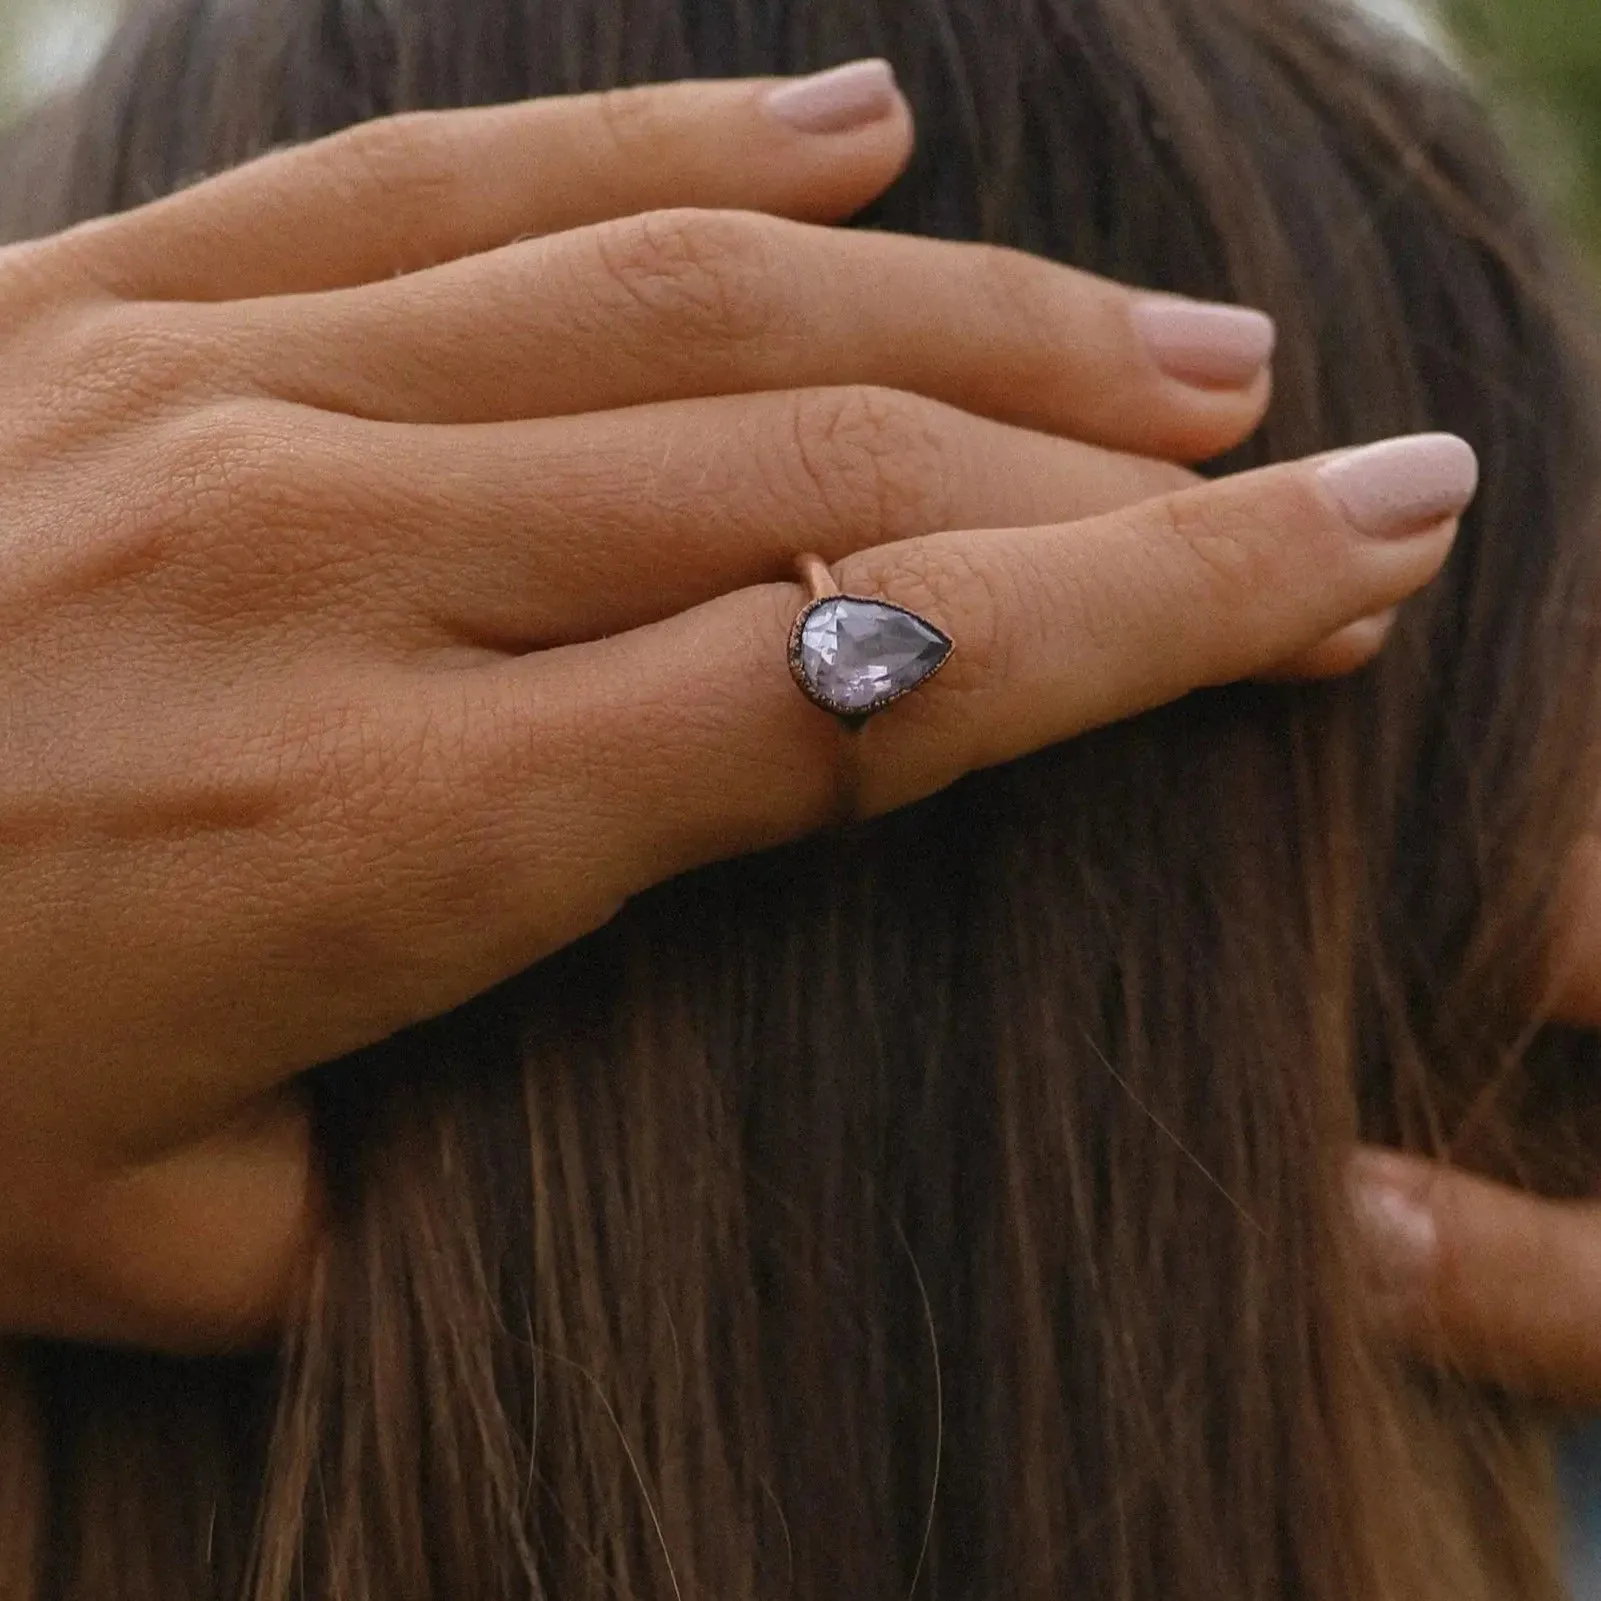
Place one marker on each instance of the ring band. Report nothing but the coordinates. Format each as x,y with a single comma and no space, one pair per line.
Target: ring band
852,655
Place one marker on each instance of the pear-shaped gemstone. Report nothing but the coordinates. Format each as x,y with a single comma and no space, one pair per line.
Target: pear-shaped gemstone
855,655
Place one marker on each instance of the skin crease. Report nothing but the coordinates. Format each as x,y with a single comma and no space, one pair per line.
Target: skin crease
287,769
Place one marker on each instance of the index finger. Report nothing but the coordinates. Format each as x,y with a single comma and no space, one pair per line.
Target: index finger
401,193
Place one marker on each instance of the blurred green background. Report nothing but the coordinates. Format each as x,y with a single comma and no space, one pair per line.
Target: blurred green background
1541,59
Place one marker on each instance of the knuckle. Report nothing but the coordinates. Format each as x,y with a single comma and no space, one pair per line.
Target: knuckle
150,524
407,169
223,460
709,275
1021,292
630,122
401,782
876,461
217,491
1226,563
240,513
370,771
121,359
344,796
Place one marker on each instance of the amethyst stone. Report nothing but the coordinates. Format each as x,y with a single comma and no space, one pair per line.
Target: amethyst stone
853,656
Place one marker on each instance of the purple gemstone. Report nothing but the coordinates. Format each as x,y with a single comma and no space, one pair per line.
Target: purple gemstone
857,654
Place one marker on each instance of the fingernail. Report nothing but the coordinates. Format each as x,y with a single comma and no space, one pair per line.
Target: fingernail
837,101
1402,486
1397,1228
1215,347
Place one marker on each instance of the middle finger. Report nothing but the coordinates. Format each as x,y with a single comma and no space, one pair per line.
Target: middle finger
673,305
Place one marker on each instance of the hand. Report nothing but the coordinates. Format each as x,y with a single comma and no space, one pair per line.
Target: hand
364,637
1493,1281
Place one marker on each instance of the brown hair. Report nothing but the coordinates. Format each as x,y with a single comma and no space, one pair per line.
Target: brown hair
951,1206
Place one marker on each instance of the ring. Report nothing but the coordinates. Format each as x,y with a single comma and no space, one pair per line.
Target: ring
852,655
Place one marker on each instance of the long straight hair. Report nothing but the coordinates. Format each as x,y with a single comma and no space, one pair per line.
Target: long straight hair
949,1207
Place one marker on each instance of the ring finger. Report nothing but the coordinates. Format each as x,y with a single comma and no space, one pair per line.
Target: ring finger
512,537
529,535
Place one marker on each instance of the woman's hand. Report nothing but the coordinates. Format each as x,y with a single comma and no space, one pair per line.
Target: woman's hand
384,602
1493,1281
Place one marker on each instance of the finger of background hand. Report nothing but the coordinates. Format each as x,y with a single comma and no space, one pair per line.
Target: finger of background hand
1499,1284
687,302
402,193
687,741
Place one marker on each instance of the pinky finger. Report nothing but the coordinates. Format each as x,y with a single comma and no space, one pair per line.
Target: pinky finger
1344,652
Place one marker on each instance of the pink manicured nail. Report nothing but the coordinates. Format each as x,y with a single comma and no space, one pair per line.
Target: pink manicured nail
1216,347
1403,486
837,101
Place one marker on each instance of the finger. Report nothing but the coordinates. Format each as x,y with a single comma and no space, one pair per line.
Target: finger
532,535
522,536
1062,629
683,303
195,1251
527,535
1342,652
687,741
1574,962
401,193
1499,1284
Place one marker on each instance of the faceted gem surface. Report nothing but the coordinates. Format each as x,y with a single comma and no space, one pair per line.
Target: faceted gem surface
857,654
